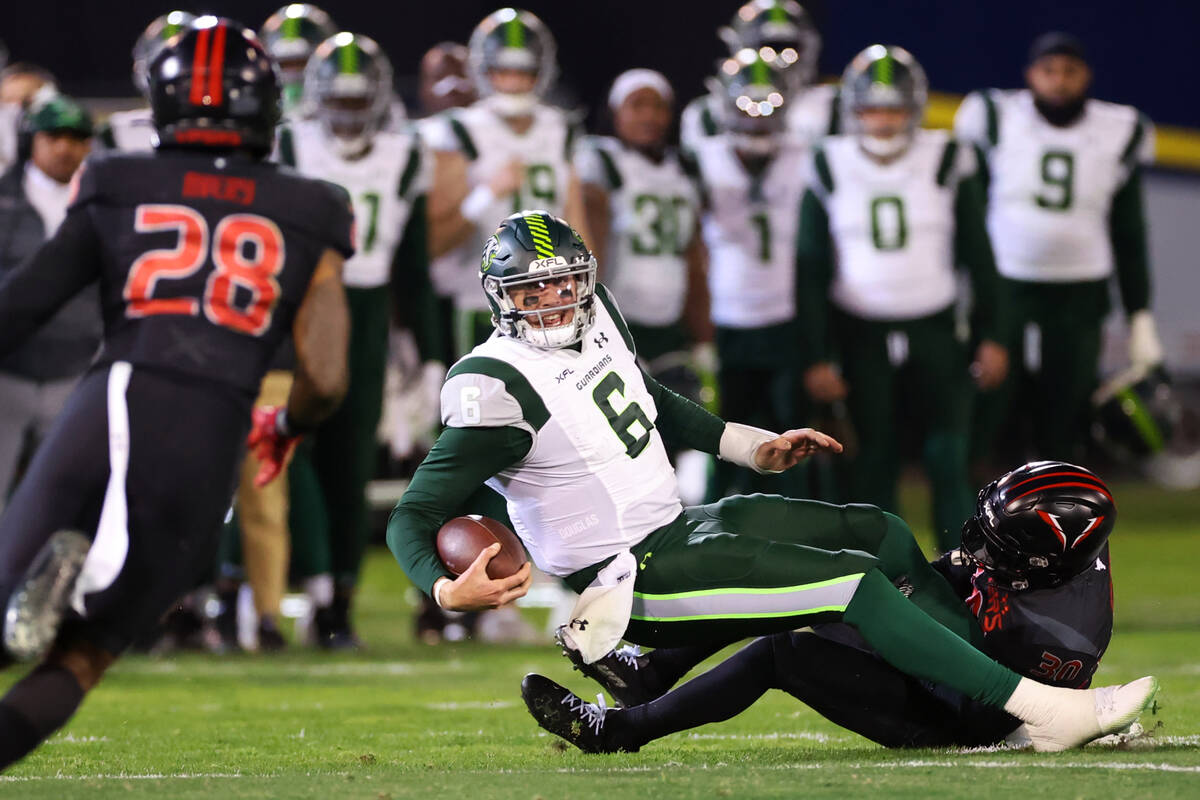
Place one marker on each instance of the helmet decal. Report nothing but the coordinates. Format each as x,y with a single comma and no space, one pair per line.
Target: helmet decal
540,235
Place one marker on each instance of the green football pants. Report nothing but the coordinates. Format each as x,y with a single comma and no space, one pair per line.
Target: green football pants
903,376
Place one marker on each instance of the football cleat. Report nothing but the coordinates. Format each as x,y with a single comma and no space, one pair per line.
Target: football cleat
1083,715
565,715
623,673
36,607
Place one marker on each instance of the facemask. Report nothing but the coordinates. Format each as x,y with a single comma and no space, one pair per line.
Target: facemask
755,145
511,105
885,148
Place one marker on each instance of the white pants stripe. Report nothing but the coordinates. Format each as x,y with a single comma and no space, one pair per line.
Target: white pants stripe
111,545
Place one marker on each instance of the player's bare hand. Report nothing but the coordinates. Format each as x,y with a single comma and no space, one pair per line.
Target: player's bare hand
990,365
791,447
508,178
475,591
824,383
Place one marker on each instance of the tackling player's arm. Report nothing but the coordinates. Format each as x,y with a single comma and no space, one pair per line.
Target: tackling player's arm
973,248
61,267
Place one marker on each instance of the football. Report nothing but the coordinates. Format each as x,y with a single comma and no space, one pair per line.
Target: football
461,539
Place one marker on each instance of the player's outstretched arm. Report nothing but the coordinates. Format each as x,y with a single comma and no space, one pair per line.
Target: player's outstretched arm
321,334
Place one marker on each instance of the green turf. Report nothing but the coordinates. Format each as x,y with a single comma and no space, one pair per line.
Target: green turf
405,720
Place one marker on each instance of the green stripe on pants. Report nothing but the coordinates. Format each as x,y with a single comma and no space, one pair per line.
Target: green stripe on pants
746,603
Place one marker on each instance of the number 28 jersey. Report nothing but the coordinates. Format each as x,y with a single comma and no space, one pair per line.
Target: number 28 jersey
1051,188
597,479
205,260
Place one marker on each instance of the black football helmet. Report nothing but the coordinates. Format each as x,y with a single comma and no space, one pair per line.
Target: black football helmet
213,86
538,248
1040,525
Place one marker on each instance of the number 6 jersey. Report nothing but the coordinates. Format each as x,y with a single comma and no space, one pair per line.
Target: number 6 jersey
1051,188
596,479
203,261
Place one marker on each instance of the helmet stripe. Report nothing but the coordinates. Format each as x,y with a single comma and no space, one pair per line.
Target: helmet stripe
885,69
1146,427
1060,485
540,235
514,33
1084,475
216,66
348,59
199,68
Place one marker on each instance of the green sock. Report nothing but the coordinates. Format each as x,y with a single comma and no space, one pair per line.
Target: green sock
913,642
900,555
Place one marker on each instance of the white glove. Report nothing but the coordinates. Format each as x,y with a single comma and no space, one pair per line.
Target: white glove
1145,349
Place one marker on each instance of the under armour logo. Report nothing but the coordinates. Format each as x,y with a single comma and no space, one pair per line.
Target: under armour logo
581,624
601,340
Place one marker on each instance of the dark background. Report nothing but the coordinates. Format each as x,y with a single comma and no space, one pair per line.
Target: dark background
1143,53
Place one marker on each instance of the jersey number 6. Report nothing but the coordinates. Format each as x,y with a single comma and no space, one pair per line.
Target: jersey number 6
253,272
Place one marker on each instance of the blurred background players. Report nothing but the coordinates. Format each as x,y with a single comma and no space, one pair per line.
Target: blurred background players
751,177
1065,216
343,138
507,151
890,212
37,377
781,33
134,129
291,35
19,83
643,208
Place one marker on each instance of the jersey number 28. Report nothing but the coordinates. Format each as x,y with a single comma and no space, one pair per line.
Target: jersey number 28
247,253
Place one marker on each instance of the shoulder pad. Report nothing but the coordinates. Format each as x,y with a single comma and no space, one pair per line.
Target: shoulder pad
486,392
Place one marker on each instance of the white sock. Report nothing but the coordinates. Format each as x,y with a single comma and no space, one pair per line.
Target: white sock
1034,702
319,589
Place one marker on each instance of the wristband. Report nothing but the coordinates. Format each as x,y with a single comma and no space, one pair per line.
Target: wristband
740,442
476,205
437,591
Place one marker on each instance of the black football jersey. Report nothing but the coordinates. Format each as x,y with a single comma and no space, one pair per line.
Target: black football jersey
1056,636
203,260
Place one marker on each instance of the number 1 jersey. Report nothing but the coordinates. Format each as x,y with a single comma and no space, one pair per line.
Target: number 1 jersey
204,261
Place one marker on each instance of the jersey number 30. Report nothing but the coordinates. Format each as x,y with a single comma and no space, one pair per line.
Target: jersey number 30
247,251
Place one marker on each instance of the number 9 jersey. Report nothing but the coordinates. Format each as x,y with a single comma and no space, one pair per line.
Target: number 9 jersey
1051,188
203,261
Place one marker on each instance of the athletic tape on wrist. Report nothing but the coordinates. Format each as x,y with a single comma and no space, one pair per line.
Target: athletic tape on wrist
740,442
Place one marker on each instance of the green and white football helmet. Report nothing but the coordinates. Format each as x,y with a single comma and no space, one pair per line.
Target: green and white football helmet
511,39
151,41
348,89
782,33
536,249
883,76
751,100
291,35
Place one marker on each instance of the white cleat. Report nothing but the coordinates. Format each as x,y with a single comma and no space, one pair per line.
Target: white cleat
1077,717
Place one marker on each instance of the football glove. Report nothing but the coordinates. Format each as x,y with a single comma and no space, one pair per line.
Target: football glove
1145,349
271,441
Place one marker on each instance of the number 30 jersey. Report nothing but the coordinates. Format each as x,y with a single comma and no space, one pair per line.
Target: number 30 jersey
203,261
596,479
1051,188
653,208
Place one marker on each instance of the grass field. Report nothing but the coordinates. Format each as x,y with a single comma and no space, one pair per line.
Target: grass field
404,720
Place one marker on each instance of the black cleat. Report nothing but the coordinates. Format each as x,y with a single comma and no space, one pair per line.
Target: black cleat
625,673
562,713
36,606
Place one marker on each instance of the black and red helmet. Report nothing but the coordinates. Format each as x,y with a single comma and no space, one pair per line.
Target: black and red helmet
213,86
1040,525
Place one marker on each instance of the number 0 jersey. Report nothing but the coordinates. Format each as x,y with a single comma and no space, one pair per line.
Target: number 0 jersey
382,184
596,479
203,261
488,143
1051,188
892,225
750,226
653,210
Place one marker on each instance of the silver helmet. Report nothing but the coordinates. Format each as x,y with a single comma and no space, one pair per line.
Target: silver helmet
883,76
516,40
348,89
151,41
782,33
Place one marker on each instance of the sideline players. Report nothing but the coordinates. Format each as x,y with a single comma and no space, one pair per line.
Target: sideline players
207,256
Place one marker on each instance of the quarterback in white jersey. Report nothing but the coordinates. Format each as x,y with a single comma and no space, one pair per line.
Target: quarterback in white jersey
642,206
892,211
505,152
1065,216
553,413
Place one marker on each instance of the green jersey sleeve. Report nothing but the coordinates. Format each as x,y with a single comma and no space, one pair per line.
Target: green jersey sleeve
682,422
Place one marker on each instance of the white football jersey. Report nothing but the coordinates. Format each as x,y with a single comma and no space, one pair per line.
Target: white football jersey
129,131
10,118
813,113
750,225
893,224
488,144
1051,187
653,213
383,185
597,479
